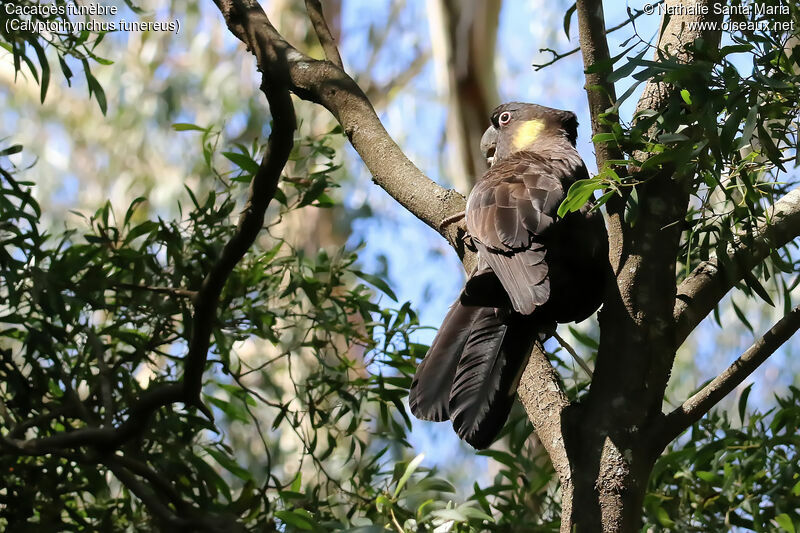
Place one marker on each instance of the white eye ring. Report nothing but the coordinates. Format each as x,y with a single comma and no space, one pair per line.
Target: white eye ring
504,118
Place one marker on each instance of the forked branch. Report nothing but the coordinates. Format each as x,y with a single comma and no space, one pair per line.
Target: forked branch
323,31
325,83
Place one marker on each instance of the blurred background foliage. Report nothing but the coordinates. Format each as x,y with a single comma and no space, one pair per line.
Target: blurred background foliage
126,158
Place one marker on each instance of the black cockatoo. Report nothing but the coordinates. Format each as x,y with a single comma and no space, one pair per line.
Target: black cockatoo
534,270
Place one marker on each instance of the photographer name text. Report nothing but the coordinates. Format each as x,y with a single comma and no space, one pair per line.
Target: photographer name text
750,10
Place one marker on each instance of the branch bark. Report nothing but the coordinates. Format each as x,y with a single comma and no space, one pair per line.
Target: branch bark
600,92
541,393
324,83
605,435
251,220
698,405
314,9
700,292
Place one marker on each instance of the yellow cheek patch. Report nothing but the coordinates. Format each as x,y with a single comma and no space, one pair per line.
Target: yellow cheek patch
526,133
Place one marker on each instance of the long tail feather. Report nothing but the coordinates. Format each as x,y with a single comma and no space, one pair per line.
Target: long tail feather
430,389
488,371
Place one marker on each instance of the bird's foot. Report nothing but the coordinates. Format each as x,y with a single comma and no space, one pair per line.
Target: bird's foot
463,236
451,219
469,242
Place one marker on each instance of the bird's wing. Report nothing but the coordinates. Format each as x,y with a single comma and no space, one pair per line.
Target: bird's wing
507,213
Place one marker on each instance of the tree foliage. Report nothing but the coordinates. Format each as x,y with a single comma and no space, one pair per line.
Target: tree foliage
292,418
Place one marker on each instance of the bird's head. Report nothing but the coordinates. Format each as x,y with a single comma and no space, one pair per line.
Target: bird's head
517,127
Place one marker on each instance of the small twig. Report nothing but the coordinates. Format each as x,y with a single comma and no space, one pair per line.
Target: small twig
19,430
151,500
395,522
154,478
557,56
170,291
698,405
105,377
314,9
573,353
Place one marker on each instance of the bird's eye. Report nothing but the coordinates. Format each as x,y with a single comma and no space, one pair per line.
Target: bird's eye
504,118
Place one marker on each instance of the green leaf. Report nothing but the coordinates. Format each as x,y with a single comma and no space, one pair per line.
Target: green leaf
785,522
578,194
632,208
65,70
229,464
757,288
412,466
741,316
568,18
97,89
501,457
232,408
13,149
603,137
435,484
471,512
295,518
584,339
185,126
243,161
768,147
665,138
735,49
686,96
626,69
708,477
743,402
45,68
377,282
663,517
298,482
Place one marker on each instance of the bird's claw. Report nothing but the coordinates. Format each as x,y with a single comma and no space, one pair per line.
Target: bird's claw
451,219
469,242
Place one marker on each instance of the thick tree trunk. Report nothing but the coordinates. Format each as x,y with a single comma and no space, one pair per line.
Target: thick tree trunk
604,447
609,473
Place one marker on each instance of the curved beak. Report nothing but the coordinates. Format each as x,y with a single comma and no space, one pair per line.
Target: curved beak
489,144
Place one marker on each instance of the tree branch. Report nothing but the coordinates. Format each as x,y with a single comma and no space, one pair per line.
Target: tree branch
159,509
558,56
544,400
314,10
262,190
324,83
169,291
251,220
698,405
599,91
700,292
158,483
